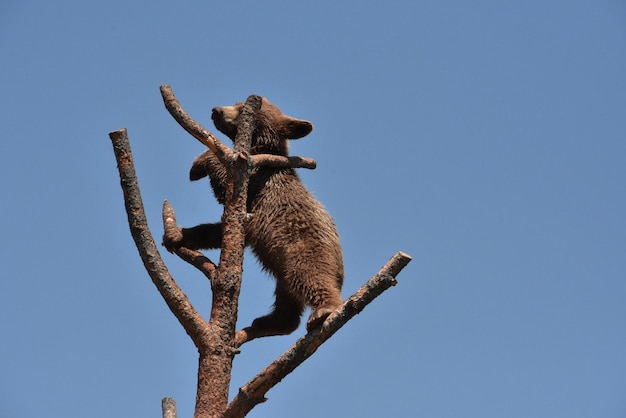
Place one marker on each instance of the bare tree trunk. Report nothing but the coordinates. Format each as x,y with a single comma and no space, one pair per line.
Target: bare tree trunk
217,357
215,340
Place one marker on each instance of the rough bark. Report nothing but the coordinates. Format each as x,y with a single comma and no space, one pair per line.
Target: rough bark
168,406
216,359
175,298
215,339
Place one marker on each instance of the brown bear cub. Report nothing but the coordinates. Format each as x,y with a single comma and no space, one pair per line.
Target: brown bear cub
290,232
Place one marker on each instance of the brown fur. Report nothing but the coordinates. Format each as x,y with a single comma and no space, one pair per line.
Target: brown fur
290,232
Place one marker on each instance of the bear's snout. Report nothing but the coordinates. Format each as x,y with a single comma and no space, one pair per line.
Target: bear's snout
217,112
224,119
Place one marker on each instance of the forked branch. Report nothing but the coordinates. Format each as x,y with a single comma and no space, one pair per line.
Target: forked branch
222,151
215,340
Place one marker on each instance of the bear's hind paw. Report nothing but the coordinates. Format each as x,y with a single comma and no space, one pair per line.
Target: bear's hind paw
317,318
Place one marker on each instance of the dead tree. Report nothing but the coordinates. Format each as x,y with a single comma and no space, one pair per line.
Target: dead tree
216,339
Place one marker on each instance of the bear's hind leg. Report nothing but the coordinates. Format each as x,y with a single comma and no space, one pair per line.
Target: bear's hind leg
324,297
284,318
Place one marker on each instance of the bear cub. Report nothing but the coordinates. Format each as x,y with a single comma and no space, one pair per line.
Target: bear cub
290,232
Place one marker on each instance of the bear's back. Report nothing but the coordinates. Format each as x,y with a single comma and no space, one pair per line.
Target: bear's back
289,228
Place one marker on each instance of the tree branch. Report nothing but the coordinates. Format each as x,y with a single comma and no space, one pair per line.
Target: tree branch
214,370
168,407
195,258
194,128
216,340
222,151
271,160
253,392
175,298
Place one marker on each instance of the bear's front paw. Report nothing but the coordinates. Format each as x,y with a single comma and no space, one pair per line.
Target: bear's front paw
173,239
317,318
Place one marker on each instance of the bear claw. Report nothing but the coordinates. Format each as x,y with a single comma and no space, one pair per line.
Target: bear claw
317,318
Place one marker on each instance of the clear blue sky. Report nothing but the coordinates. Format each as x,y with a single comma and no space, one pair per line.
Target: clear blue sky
487,139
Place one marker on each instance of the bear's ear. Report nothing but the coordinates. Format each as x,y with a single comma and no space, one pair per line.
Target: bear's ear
296,128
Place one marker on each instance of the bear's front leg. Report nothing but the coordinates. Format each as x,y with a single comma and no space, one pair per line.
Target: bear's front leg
205,236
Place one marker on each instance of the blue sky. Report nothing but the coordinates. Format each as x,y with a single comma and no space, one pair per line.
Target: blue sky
486,139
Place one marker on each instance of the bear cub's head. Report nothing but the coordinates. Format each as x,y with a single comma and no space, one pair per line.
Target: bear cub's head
272,131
